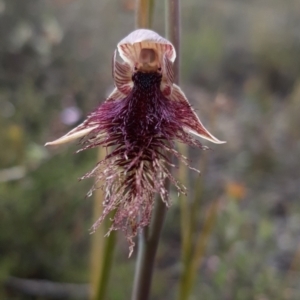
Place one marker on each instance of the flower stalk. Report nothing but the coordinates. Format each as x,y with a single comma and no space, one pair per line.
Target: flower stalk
144,13
148,238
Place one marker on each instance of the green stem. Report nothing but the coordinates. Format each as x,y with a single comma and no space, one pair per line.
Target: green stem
102,249
144,12
190,272
192,256
106,266
149,237
173,31
148,244
185,213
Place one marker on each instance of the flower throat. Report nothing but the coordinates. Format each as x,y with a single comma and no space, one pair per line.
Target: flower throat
143,114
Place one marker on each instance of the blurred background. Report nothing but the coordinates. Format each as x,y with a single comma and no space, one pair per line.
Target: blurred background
240,68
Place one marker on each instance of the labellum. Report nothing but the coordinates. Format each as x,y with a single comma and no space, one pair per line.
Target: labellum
139,122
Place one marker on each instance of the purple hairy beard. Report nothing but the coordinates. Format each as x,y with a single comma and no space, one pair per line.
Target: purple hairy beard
141,130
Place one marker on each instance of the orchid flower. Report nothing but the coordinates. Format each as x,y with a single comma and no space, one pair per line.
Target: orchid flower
139,122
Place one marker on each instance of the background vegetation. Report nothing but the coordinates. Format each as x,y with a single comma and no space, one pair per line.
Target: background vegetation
240,69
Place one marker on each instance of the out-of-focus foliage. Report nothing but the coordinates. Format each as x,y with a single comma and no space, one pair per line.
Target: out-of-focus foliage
241,70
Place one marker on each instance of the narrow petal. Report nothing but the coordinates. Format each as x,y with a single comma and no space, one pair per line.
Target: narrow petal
87,126
74,134
194,125
122,73
168,76
115,95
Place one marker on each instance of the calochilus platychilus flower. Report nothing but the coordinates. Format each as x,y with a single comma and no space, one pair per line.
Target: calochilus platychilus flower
139,122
